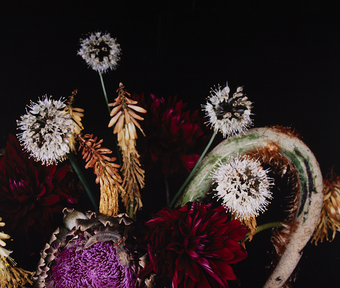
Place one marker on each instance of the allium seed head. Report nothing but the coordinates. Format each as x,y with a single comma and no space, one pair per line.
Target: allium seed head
100,51
243,186
229,115
46,130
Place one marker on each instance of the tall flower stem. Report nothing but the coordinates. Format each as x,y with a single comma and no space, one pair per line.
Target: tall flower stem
104,90
82,179
193,170
108,107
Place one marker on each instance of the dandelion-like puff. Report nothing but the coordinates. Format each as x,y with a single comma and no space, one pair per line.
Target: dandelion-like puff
100,51
229,115
46,130
243,186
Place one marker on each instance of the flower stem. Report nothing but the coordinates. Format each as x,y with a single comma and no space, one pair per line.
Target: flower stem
193,170
104,91
82,179
264,227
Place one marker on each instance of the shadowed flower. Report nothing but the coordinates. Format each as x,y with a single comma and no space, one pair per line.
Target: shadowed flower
194,246
88,251
32,197
230,115
46,130
243,186
173,134
100,51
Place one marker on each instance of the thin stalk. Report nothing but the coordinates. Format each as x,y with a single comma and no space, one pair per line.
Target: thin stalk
193,170
104,91
265,227
82,179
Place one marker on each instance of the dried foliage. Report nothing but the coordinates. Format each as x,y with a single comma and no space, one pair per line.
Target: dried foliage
77,114
10,275
106,171
125,119
329,220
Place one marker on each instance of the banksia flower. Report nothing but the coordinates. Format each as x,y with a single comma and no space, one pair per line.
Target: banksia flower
125,119
230,115
100,51
106,171
10,275
92,250
329,220
243,186
46,131
76,114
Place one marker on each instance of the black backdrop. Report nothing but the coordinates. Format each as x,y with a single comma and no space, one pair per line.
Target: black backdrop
284,53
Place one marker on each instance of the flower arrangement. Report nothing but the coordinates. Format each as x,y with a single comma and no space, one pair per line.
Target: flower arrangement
207,222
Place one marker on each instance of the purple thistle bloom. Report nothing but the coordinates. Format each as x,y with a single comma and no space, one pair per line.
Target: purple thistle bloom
96,267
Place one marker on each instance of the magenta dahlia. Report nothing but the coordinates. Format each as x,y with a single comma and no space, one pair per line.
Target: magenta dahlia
193,246
32,197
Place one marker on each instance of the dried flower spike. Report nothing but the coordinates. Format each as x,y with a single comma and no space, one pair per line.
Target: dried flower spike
100,51
11,276
106,171
230,115
76,114
329,220
125,119
243,186
46,130
124,115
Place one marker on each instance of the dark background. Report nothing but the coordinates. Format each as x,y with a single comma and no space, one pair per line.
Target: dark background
284,53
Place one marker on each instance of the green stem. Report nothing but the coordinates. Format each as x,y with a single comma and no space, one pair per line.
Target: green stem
193,170
104,91
108,107
82,179
264,227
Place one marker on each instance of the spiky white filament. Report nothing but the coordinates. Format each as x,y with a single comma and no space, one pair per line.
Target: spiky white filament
243,186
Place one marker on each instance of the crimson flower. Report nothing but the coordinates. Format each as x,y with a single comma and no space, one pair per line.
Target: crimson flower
32,197
194,246
173,133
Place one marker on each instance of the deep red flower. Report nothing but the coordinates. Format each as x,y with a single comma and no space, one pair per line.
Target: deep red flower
194,246
32,197
173,134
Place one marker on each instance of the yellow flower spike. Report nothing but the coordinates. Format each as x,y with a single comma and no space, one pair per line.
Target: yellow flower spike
76,114
329,220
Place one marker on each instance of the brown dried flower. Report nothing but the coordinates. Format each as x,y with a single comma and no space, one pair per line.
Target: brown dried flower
10,275
330,215
124,115
77,114
125,119
106,171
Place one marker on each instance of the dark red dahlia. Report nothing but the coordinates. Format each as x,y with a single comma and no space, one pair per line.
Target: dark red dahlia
175,136
194,246
32,197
